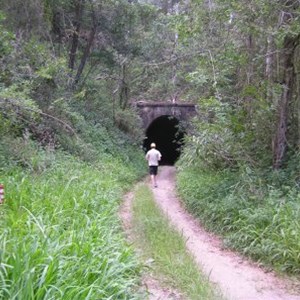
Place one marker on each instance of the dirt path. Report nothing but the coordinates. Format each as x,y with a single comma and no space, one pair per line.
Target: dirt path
238,278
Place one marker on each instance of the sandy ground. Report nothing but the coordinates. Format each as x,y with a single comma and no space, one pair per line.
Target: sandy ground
236,277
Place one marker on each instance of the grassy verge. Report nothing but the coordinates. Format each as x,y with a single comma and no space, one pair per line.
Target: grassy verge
60,237
254,218
167,248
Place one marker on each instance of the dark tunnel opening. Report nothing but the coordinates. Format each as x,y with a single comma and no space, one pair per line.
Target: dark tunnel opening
168,135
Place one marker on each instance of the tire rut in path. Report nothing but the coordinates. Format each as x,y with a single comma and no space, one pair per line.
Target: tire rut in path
150,284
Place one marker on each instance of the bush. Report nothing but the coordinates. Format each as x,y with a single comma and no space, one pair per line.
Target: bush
257,218
60,235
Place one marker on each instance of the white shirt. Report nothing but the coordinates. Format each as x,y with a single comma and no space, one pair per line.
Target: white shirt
153,156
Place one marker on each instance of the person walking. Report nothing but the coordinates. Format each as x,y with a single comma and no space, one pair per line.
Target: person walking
153,156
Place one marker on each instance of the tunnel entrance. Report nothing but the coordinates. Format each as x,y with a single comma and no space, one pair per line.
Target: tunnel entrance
168,135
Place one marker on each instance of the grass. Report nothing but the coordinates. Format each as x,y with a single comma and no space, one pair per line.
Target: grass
60,236
166,247
258,220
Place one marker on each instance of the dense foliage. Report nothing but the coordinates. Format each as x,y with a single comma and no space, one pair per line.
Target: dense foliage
238,60
247,79
239,172
256,217
60,235
70,71
69,150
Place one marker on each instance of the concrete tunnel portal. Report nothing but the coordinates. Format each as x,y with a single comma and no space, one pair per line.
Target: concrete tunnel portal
167,132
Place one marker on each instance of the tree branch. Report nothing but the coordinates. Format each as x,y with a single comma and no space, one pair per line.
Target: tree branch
15,104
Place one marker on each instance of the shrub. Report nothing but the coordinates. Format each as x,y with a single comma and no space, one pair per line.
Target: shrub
255,217
60,235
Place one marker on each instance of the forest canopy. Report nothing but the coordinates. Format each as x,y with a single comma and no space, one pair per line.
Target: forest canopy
71,72
62,61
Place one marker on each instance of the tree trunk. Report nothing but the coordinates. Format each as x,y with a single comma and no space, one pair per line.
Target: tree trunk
88,47
86,54
57,27
297,87
124,89
270,67
280,140
75,36
250,42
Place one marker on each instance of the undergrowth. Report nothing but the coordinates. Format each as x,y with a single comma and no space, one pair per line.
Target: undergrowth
60,237
253,212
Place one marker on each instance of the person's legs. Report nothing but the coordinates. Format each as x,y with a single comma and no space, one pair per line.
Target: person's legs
153,173
155,184
154,176
153,181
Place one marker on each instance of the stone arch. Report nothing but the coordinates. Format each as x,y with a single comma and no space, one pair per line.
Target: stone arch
167,132
165,124
149,111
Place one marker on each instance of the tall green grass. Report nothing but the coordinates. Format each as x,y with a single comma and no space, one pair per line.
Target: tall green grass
257,219
166,247
60,236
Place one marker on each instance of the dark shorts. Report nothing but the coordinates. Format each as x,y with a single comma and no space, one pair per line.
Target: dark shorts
153,170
